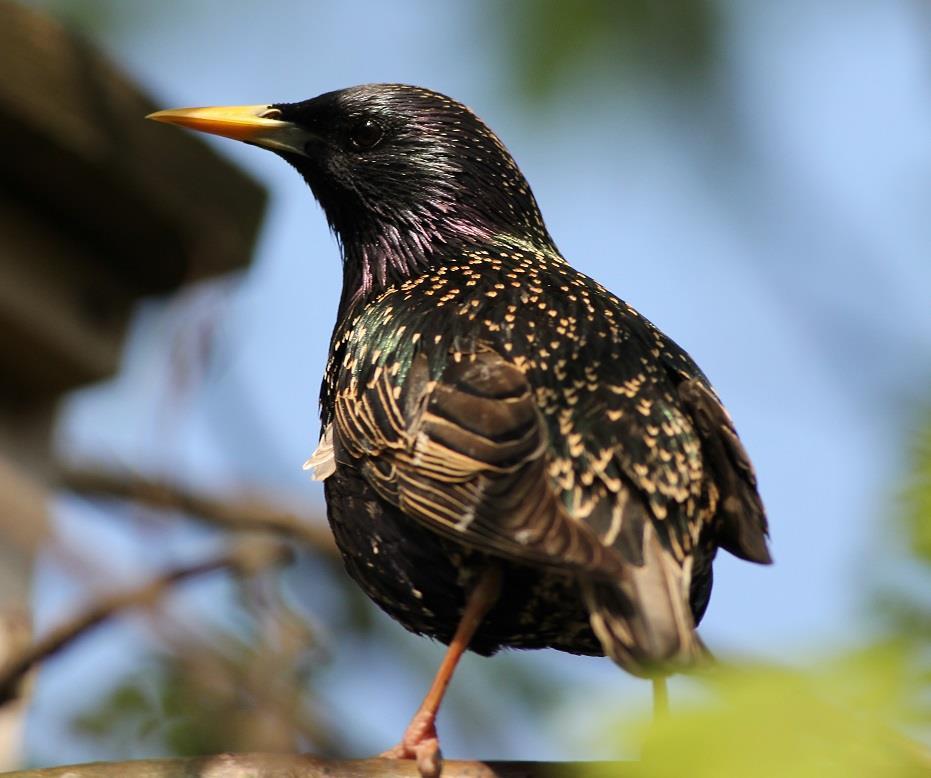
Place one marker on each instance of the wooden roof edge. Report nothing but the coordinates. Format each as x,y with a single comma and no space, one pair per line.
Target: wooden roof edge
157,206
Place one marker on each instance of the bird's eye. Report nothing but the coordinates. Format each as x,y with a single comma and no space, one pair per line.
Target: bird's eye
366,134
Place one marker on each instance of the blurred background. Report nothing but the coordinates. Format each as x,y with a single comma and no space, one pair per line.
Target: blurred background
752,177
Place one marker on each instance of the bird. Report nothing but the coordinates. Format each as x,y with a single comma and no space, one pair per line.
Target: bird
512,456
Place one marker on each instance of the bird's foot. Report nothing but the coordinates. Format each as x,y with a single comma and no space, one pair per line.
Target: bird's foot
420,743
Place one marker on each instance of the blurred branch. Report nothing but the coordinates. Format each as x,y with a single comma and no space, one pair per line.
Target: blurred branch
297,766
244,559
244,513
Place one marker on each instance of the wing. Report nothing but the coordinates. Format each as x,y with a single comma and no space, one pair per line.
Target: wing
466,454
627,462
654,467
741,520
643,454
646,441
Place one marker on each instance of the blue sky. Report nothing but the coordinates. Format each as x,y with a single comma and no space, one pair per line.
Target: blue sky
779,232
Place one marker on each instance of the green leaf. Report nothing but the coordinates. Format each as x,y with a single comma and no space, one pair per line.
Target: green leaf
837,720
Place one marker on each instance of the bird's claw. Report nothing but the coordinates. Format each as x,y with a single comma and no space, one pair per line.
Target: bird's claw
427,754
421,744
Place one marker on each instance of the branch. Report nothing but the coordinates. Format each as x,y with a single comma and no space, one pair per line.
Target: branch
295,766
245,559
246,513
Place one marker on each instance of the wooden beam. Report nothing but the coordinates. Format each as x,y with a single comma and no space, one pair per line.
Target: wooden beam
299,766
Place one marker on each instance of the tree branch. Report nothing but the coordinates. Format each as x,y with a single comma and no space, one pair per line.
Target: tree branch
246,513
245,559
296,766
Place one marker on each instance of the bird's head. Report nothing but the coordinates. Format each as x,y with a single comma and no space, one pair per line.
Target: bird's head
405,176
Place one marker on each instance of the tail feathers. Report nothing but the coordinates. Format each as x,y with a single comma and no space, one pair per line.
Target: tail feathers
644,621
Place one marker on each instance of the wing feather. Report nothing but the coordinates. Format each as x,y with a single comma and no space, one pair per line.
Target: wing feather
468,457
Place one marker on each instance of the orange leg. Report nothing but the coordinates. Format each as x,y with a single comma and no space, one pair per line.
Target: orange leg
420,740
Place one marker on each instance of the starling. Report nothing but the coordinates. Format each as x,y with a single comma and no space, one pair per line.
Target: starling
512,456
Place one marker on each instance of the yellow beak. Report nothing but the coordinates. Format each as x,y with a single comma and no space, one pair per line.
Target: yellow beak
256,124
